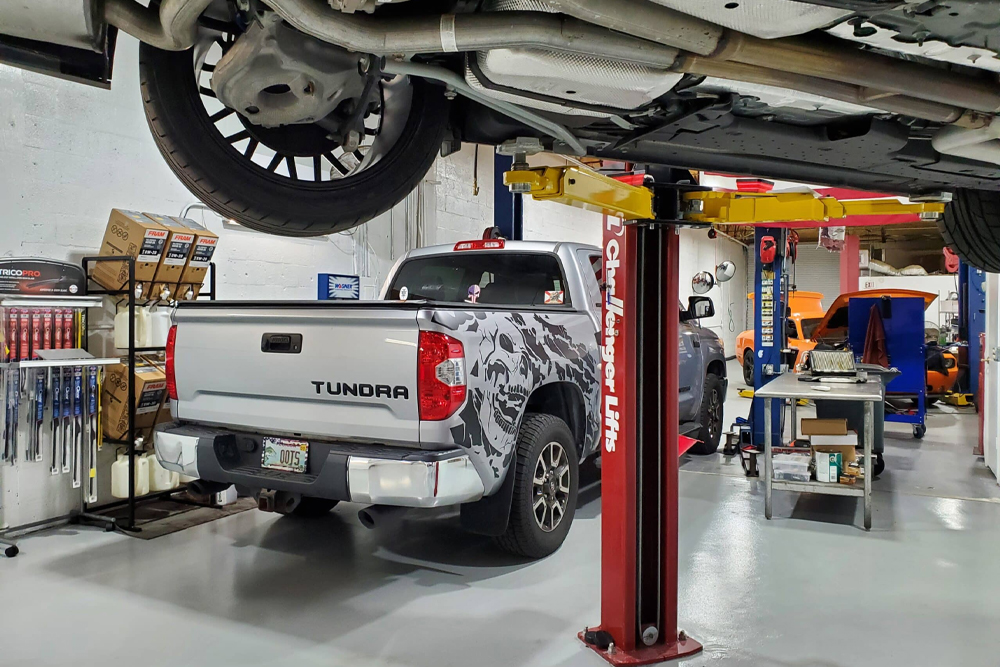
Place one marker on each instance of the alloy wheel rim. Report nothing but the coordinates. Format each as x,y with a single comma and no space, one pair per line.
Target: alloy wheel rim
550,487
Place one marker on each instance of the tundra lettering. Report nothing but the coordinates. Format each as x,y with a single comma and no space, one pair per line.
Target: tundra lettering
363,390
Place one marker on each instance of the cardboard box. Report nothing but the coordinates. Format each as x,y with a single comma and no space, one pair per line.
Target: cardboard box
828,466
823,426
163,415
150,391
202,253
177,251
133,234
849,440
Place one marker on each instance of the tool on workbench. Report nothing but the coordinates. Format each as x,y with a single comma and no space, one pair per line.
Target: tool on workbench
66,425
56,394
92,434
77,405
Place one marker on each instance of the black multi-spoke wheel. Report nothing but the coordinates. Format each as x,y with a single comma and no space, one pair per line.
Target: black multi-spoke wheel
292,180
546,479
711,416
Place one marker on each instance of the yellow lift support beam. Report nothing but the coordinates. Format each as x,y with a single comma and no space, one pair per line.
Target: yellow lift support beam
586,189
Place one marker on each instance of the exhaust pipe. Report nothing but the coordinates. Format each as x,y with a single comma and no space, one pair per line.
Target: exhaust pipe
173,28
381,516
820,60
834,90
452,33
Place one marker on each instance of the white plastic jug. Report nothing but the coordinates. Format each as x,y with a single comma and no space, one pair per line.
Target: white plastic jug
119,476
141,328
158,327
160,479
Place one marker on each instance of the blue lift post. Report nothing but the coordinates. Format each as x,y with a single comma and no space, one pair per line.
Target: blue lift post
972,319
768,328
508,209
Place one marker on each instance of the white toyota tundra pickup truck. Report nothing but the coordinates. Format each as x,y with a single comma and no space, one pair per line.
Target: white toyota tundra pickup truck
473,380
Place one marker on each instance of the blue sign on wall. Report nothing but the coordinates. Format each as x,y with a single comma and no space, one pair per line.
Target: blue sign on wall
337,286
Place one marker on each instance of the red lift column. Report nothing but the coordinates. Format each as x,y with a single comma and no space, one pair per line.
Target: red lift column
639,461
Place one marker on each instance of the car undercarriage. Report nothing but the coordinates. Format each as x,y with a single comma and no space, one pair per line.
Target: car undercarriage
306,117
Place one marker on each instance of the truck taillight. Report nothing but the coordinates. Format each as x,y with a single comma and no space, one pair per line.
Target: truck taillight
171,378
440,376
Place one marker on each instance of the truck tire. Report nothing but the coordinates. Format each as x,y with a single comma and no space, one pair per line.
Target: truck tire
311,508
710,416
546,480
971,227
748,367
236,188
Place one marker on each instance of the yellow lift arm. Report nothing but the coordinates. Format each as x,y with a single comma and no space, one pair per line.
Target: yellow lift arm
586,189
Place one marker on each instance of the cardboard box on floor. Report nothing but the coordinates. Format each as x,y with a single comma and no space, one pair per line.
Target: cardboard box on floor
201,255
823,426
150,391
135,235
177,251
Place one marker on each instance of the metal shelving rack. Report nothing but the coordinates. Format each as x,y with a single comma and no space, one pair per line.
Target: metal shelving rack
129,291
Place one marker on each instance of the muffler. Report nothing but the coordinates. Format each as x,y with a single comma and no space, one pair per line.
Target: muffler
381,516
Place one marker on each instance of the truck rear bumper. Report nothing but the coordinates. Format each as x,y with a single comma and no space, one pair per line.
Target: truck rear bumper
373,474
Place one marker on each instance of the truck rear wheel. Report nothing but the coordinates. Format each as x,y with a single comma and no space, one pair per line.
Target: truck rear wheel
546,480
971,227
710,416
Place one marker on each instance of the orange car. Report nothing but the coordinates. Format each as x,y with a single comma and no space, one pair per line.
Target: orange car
805,328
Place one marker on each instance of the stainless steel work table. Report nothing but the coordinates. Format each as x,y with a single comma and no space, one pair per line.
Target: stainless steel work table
788,386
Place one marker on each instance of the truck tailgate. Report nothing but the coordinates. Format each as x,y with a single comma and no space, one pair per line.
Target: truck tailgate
355,372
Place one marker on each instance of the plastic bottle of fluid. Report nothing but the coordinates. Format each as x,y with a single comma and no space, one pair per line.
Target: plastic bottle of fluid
141,328
119,476
160,479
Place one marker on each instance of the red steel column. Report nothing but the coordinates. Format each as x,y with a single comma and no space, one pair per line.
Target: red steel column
671,295
628,531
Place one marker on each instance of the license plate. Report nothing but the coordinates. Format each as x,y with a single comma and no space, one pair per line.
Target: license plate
285,454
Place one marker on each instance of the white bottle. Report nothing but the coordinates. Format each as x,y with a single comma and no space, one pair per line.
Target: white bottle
160,479
141,331
119,476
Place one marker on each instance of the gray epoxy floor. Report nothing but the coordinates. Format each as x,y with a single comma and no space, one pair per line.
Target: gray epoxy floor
808,588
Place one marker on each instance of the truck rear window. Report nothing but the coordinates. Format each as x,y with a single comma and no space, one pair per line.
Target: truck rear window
503,279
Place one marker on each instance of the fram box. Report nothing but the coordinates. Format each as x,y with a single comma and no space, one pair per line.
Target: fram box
150,390
177,251
201,255
133,234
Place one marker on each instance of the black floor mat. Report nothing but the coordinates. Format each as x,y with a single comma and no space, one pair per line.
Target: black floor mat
163,517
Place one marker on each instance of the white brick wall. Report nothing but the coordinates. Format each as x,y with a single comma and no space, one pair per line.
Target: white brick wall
70,153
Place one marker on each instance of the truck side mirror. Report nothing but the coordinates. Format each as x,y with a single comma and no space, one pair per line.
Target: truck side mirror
698,307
